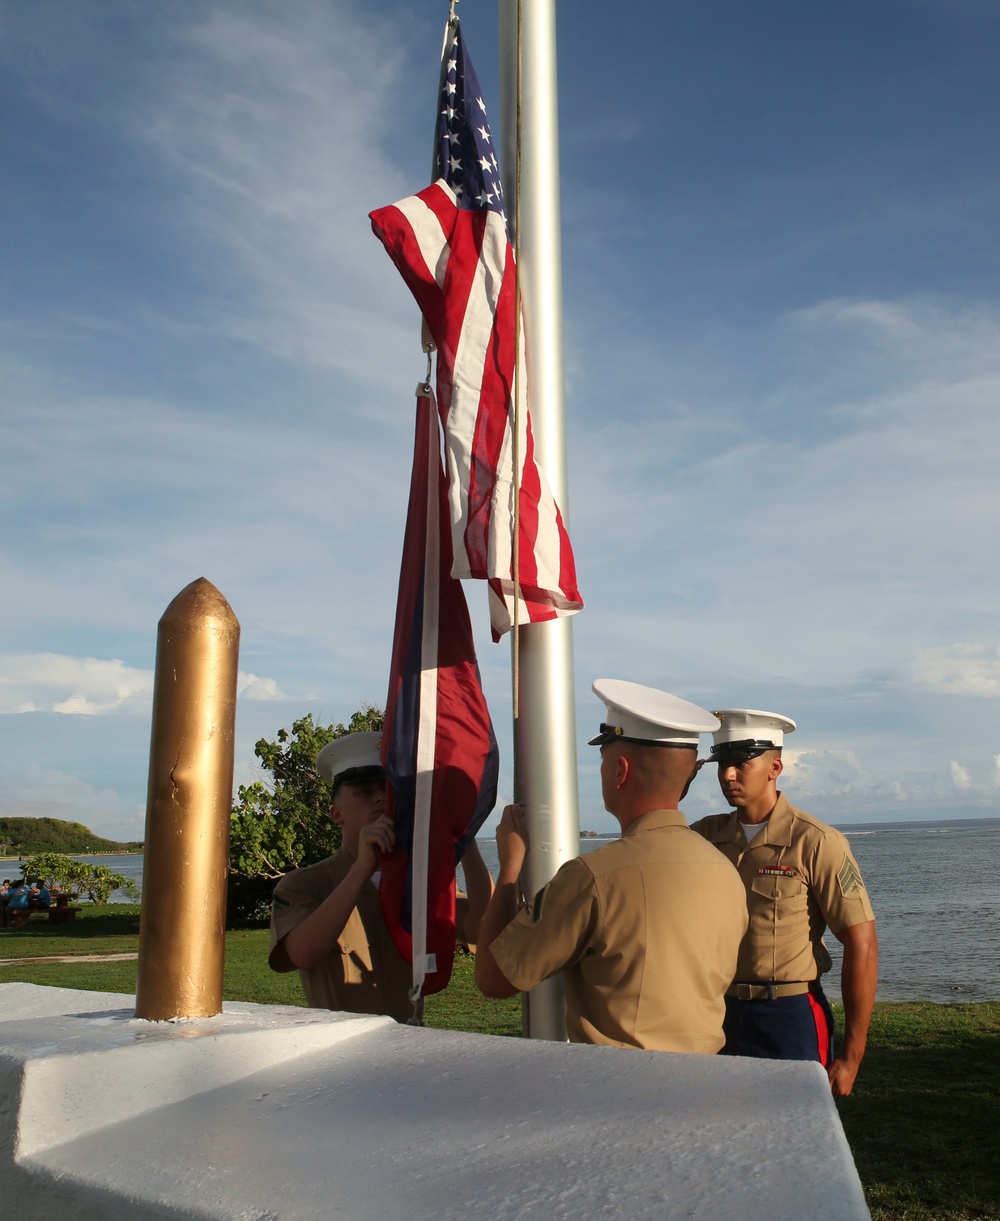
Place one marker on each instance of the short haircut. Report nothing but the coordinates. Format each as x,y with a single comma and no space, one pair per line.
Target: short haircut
661,769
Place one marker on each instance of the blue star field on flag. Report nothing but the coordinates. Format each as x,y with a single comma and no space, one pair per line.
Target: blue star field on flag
465,156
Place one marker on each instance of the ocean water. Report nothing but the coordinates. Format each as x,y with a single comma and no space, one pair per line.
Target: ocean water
129,866
935,887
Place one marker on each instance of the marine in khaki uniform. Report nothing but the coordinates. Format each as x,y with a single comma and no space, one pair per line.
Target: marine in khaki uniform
800,878
325,918
646,929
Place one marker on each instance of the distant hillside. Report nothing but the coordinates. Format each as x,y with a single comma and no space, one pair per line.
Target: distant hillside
25,836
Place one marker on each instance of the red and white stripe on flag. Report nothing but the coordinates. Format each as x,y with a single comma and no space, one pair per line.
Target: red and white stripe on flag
459,265
438,745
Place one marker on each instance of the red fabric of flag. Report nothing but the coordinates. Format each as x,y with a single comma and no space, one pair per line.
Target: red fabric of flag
438,745
459,266
451,245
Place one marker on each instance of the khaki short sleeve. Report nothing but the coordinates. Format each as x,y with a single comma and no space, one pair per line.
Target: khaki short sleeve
291,903
553,931
837,886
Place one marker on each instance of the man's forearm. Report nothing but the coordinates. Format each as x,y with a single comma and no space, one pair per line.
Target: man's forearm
858,983
479,888
315,937
512,847
502,908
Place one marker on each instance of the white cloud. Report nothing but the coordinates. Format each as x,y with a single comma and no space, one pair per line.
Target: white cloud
273,515
89,686
838,784
959,669
831,513
250,687
276,123
920,337
834,773
53,682
808,495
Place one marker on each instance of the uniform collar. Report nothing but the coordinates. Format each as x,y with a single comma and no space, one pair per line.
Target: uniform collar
778,831
779,825
654,820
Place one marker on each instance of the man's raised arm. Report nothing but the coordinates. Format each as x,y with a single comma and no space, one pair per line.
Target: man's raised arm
512,848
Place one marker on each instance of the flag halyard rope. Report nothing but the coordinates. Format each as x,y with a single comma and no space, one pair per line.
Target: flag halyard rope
427,719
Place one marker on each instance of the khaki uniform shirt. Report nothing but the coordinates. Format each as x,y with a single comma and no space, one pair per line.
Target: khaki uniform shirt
800,876
364,973
647,930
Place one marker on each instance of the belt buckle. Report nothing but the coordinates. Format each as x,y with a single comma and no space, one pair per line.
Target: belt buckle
744,992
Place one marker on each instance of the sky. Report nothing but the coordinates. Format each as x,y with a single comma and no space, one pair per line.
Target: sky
781,260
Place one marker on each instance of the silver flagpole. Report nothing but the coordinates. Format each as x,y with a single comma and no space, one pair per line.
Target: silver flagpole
545,727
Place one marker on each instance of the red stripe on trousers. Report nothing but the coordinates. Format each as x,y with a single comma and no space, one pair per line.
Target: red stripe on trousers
822,1030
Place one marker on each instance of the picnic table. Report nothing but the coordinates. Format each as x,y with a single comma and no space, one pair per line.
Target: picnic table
62,911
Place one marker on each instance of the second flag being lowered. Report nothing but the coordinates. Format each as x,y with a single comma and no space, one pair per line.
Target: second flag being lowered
438,746
451,246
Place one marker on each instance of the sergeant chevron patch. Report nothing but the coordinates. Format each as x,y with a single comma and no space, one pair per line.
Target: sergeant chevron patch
849,877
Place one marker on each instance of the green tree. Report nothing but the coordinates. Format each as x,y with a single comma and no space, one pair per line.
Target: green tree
82,878
282,822
30,836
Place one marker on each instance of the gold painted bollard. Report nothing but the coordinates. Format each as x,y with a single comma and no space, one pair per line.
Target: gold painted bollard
183,923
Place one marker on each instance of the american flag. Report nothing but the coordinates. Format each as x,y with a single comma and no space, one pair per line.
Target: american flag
438,745
464,155
451,245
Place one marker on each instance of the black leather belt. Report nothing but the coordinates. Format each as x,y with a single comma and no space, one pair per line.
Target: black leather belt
765,992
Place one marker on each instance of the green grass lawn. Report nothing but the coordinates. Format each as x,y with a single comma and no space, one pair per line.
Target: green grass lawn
114,929
923,1120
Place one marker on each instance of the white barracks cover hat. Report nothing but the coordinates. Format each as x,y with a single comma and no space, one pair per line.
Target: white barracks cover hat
750,729
643,714
352,757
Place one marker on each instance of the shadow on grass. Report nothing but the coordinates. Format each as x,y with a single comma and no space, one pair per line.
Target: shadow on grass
104,929
463,1007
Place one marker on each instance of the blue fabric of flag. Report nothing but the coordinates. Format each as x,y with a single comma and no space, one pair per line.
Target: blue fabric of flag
465,156
451,245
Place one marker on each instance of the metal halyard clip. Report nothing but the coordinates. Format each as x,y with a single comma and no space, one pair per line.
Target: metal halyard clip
429,349
416,1018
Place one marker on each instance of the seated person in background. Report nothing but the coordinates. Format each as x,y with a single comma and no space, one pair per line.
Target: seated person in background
19,896
325,918
40,896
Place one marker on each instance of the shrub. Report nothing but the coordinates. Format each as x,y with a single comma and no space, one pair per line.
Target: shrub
96,882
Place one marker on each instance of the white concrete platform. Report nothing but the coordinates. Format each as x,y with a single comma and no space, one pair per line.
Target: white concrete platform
284,1114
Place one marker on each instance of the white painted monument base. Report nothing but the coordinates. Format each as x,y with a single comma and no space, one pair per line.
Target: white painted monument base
271,1113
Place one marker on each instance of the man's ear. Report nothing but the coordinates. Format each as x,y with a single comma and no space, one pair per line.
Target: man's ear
777,767
623,768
